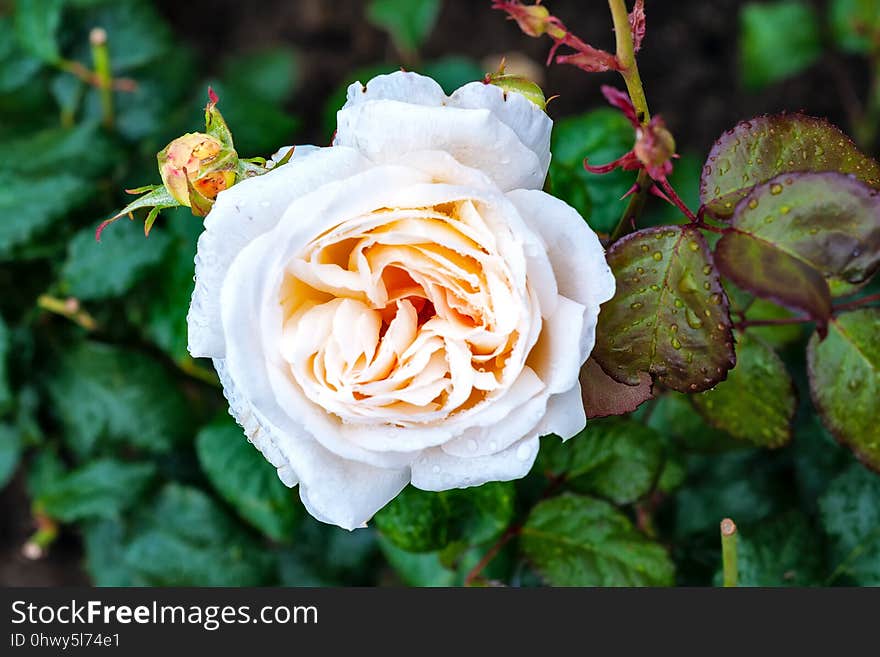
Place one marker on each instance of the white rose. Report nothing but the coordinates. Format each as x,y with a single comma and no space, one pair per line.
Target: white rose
405,305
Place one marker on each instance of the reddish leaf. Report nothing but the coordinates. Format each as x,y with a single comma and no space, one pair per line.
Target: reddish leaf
603,396
755,151
669,316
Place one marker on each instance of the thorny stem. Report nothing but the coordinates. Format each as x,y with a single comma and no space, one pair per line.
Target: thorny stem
630,71
728,552
101,61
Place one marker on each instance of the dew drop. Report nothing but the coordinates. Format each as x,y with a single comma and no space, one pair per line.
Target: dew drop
707,269
716,298
636,305
853,384
673,328
655,287
676,344
693,246
768,219
785,209
753,203
640,270
657,255
693,321
435,469
523,452
775,189
679,303
717,190
644,248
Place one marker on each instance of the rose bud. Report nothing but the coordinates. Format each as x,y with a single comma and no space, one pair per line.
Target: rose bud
203,160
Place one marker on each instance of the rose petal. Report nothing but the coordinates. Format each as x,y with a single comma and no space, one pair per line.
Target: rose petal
402,112
240,214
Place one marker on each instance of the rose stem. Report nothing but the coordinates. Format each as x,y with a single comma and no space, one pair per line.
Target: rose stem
512,531
101,61
728,552
627,57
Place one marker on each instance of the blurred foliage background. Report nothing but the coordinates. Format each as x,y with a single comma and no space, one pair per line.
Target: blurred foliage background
118,462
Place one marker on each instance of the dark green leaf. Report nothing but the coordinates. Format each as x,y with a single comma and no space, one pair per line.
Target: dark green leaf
246,480
5,388
780,551
776,336
16,67
111,267
855,24
417,569
100,489
601,136
408,21
669,316
825,222
673,415
327,555
10,453
270,75
452,72
618,460
777,40
422,521
851,517
104,394
83,150
765,147
845,381
36,26
579,541
103,543
186,539
757,401
30,205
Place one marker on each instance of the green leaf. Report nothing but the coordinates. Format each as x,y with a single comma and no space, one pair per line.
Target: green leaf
111,267
798,229
422,521
107,395
850,515
246,480
105,553
30,205
84,151
854,23
674,416
601,136
10,453
757,150
409,22
780,551
757,401
36,26
844,372
417,569
579,541
775,336
16,67
324,555
100,489
452,72
186,539
618,460
270,75
669,316
777,40
5,388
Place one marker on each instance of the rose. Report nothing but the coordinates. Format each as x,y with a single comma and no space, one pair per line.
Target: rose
199,161
405,305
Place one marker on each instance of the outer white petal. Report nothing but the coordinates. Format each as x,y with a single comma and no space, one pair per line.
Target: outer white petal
334,490
436,470
582,274
565,414
243,212
403,112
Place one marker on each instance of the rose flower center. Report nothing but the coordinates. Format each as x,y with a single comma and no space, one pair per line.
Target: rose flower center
403,315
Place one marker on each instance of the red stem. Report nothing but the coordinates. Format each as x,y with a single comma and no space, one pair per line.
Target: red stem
858,302
676,200
512,531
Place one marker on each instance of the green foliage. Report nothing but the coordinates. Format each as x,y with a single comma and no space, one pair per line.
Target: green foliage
601,136
617,460
845,381
36,26
419,521
777,40
855,24
757,401
580,541
106,397
10,453
781,551
246,480
851,517
5,347
409,22
102,488
668,317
